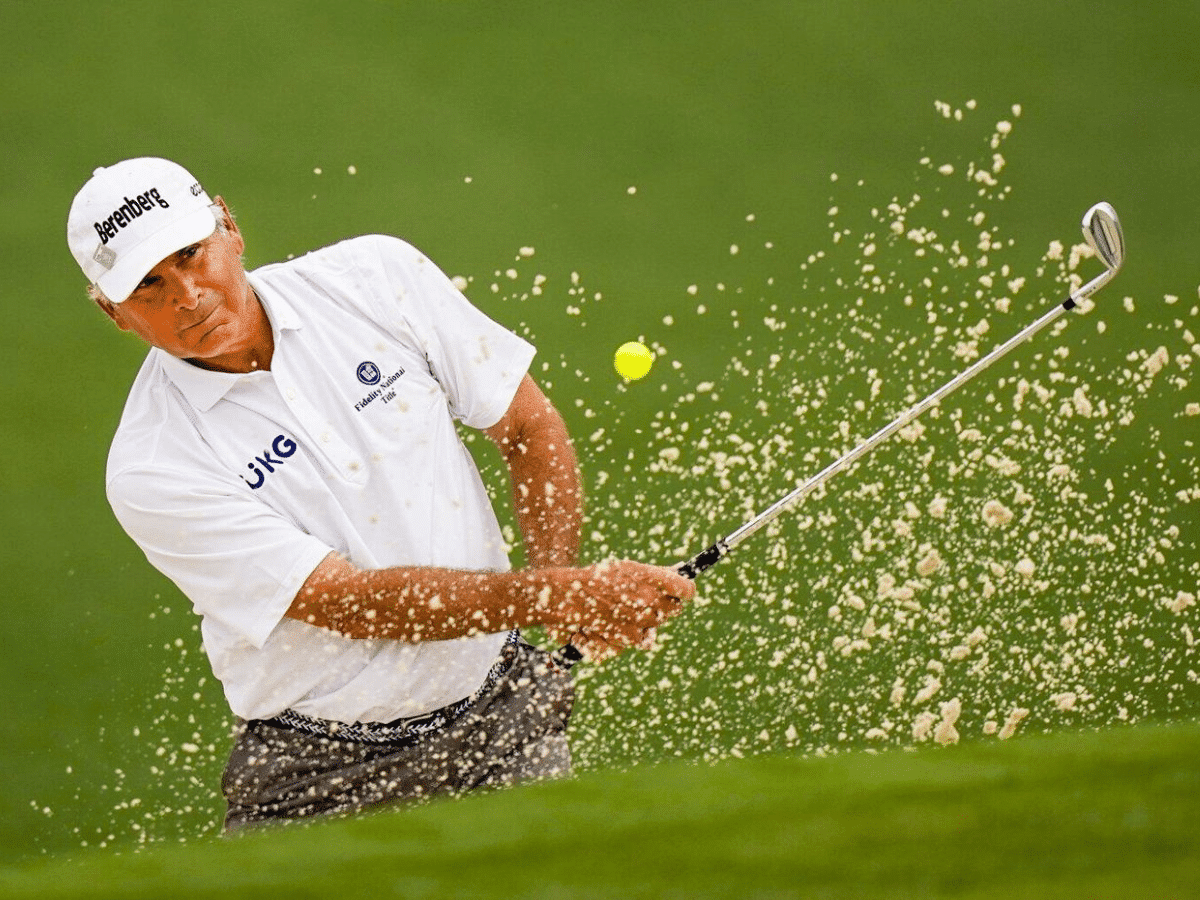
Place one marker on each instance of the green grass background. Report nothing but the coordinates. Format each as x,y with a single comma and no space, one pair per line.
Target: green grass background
1061,816
477,129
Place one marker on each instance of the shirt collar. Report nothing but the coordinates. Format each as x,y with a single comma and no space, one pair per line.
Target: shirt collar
204,388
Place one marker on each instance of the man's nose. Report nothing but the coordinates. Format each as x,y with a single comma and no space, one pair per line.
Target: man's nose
182,289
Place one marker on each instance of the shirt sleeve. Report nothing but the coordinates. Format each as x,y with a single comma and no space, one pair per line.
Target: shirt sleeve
237,560
478,362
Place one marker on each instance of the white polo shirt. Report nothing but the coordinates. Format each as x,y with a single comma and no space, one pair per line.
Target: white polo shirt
237,486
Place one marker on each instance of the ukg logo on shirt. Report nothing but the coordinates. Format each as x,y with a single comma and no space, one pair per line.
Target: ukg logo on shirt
283,447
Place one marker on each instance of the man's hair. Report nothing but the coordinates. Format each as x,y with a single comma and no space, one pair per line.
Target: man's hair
218,211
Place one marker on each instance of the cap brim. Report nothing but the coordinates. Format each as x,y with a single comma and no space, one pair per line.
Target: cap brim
118,283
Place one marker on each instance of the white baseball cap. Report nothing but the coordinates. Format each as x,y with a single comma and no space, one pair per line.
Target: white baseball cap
131,216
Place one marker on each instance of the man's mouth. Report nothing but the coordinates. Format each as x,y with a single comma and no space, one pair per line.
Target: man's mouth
199,321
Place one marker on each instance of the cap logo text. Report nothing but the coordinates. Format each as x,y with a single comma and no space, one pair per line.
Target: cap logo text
131,209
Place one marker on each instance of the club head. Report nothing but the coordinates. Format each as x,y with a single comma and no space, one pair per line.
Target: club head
1102,231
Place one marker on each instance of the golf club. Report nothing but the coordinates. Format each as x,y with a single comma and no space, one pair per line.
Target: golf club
1101,230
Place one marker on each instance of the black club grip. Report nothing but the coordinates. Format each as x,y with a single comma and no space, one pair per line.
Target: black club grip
706,559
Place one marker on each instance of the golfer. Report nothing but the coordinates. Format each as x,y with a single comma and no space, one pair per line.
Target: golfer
288,456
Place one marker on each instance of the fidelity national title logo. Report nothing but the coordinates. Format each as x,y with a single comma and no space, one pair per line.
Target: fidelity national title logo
372,376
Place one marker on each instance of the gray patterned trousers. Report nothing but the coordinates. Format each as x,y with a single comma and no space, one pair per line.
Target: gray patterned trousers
514,731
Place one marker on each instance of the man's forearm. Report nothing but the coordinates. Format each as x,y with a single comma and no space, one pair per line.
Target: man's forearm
617,601
423,604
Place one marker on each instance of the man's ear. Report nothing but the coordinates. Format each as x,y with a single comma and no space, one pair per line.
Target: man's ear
231,225
113,311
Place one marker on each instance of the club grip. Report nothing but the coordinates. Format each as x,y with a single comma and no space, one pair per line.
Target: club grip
705,559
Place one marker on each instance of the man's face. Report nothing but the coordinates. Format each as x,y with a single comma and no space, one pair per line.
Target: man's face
196,304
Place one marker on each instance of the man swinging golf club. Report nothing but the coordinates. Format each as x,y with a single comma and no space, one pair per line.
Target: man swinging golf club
288,457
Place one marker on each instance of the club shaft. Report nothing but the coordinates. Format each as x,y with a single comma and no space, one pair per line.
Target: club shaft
711,555
568,655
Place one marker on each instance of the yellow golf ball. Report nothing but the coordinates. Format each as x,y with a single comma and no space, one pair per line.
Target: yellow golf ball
633,360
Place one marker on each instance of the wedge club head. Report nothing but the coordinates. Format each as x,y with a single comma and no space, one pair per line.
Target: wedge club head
1102,231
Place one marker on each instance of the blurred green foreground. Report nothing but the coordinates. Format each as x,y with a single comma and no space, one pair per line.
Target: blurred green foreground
1109,815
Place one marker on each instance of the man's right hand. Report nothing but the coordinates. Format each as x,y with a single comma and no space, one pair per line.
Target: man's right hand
609,607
